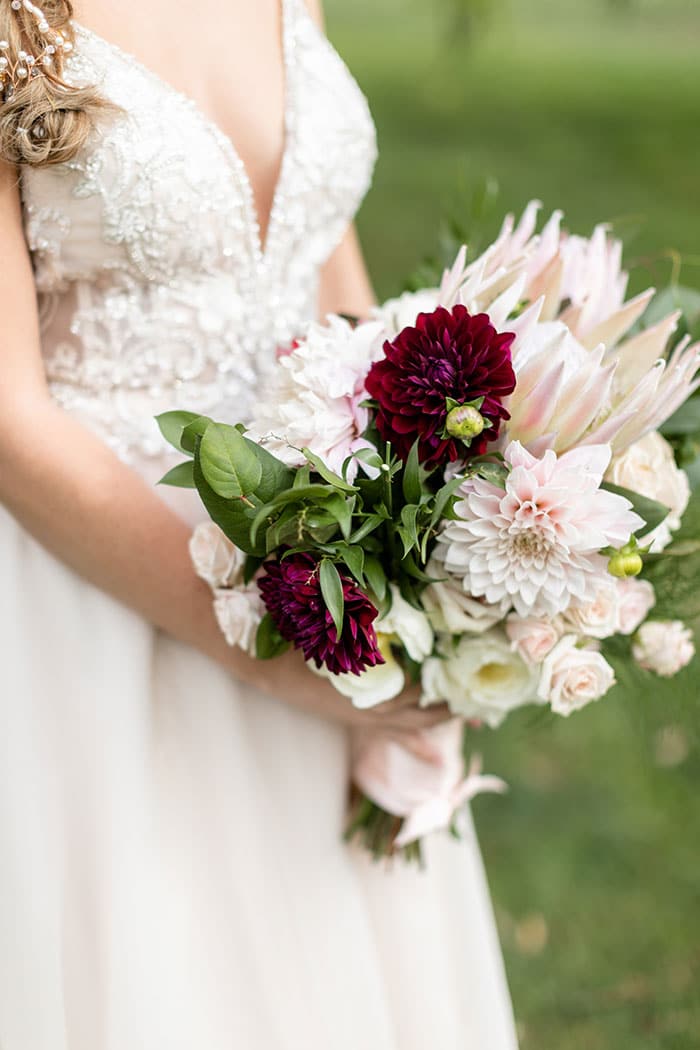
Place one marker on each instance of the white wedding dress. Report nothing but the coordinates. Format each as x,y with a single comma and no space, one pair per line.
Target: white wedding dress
172,872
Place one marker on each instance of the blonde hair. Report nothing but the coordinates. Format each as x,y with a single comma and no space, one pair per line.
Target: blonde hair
44,121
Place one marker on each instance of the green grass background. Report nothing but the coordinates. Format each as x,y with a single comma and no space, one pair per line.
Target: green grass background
594,856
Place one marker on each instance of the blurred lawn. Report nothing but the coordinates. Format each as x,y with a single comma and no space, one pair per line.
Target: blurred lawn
594,857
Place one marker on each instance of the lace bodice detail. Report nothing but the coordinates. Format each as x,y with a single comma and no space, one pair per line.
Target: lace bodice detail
155,290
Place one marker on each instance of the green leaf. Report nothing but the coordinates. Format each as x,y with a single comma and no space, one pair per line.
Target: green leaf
228,463
172,424
332,591
408,530
328,475
369,456
196,429
268,640
342,510
251,566
442,499
372,522
354,558
685,421
181,476
413,476
233,517
650,510
318,493
275,477
376,577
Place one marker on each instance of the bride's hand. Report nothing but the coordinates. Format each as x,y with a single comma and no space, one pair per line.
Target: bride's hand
287,678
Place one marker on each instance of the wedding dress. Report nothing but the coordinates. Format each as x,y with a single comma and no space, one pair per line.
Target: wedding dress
172,873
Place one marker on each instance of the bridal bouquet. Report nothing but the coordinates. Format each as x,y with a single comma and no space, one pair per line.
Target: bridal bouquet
463,491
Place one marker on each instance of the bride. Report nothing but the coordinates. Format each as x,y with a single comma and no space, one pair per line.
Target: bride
176,194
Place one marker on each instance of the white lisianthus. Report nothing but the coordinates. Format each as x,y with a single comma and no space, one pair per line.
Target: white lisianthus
315,398
636,599
375,685
401,625
649,468
402,312
532,638
452,611
572,677
480,678
216,560
599,617
664,647
409,626
239,611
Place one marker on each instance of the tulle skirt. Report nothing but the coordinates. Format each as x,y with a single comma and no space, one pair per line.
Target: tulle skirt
172,870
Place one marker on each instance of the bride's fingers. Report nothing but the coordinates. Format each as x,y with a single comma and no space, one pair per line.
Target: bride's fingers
414,718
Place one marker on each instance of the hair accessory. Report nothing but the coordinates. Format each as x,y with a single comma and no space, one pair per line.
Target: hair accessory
16,70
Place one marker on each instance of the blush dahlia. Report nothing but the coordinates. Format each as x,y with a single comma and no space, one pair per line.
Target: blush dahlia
450,359
291,591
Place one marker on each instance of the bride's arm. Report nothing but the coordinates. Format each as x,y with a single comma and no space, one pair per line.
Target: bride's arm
345,284
96,515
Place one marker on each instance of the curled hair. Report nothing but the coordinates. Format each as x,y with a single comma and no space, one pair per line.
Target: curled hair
44,120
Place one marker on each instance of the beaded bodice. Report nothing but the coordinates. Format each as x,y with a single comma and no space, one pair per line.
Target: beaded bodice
155,290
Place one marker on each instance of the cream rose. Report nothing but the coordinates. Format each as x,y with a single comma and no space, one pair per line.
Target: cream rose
480,678
635,599
214,557
531,638
598,618
571,677
664,647
239,612
649,468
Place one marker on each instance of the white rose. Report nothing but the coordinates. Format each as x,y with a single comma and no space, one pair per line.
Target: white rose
374,685
402,312
480,678
649,468
239,612
663,646
452,610
214,557
410,626
635,599
531,638
573,677
598,618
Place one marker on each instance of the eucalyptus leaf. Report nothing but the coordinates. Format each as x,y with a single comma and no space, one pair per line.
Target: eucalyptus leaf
233,517
228,463
332,591
196,429
172,425
275,476
181,476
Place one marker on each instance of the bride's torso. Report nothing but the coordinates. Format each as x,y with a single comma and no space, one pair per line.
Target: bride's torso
155,288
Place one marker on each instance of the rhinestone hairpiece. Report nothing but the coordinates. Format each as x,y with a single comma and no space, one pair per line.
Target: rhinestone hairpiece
16,70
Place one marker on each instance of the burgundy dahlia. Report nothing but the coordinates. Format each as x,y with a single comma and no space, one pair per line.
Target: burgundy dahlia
291,591
450,357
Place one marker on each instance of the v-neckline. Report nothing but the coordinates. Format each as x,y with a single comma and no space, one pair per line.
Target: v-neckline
261,248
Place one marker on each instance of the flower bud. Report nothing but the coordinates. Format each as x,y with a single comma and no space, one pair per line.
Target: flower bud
465,422
625,563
